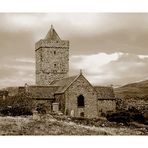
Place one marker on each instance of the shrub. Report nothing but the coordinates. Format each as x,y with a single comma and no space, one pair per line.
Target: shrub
119,117
41,108
126,116
20,104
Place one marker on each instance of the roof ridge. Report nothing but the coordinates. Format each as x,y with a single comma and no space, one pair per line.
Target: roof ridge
76,77
41,85
52,83
72,81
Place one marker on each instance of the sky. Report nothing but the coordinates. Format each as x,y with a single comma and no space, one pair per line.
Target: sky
110,48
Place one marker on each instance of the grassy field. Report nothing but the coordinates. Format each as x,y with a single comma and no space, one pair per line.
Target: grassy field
49,125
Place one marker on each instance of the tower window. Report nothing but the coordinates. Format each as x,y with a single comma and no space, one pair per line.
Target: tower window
41,57
80,101
54,52
55,65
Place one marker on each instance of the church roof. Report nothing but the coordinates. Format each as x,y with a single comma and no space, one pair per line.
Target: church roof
43,92
64,83
52,35
40,92
105,92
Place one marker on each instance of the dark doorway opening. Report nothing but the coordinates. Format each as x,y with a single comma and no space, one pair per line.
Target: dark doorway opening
82,114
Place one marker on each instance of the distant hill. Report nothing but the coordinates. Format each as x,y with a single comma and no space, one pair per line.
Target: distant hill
134,90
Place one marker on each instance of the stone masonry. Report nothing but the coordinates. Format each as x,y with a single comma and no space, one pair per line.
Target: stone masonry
56,91
81,87
105,106
52,58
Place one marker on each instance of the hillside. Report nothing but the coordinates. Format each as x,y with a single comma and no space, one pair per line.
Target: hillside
135,90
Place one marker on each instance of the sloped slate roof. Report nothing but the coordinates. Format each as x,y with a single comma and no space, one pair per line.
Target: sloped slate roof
43,92
105,92
63,83
52,35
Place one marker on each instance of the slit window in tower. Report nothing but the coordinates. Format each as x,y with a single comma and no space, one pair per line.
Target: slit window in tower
55,65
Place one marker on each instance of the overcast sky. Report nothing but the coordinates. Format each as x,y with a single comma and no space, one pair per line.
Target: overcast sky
109,48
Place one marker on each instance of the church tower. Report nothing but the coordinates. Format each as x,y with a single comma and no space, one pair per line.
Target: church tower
52,58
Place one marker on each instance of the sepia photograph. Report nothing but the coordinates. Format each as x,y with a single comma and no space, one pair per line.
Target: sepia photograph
74,74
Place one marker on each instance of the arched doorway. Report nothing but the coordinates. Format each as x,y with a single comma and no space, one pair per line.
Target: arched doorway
80,101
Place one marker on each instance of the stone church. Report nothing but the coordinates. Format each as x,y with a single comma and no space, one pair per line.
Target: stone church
73,96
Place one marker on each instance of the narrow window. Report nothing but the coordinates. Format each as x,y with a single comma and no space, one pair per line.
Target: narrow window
54,52
55,65
41,56
80,101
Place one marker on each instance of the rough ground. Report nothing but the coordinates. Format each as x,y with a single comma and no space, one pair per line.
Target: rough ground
49,125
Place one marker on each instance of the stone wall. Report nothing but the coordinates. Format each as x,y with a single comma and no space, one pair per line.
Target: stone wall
81,87
45,43
52,61
61,99
105,106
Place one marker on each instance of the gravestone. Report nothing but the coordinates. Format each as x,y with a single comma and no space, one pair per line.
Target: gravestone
55,107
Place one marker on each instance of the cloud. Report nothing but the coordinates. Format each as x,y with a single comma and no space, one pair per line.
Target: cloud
25,60
92,64
14,72
143,56
109,47
88,33
16,44
100,69
116,68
